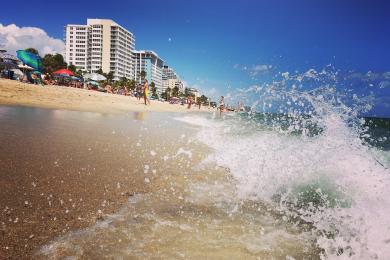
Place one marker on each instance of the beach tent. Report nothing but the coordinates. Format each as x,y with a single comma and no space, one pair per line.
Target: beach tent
63,72
18,72
8,57
30,59
94,77
8,65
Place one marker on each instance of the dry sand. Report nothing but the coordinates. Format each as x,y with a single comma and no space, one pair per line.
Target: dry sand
57,97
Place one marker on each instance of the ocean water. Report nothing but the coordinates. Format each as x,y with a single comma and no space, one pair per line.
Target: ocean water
265,189
301,175
329,178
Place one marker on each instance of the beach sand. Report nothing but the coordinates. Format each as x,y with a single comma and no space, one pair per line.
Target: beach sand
58,176
58,97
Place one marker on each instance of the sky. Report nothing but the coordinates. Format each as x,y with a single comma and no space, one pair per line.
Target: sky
219,45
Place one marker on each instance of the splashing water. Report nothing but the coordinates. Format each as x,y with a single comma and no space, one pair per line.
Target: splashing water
306,154
298,176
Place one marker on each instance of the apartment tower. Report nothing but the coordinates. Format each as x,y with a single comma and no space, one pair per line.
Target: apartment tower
101,44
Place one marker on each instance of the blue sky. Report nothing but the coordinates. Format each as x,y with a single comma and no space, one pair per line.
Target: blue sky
215,44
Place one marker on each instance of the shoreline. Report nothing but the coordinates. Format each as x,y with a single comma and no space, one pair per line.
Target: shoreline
69,180
15,93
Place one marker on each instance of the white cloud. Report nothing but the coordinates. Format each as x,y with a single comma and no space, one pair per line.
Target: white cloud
13,38
169,39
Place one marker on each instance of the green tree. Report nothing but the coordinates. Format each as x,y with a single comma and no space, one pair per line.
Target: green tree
167,94
109,76
123,81
131,84
203,99
72,68
32,50
54,62
154,90
143,74
175,91
100,71
79,73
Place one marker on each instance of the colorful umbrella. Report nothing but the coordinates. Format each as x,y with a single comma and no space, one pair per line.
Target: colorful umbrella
64,72
30,59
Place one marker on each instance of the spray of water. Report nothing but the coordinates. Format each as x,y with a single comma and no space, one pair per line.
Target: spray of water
302,147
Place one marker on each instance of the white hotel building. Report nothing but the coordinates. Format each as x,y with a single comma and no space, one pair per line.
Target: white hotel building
149,62
170,79
101,44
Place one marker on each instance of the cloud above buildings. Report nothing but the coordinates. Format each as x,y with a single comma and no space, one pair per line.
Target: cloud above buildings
13,38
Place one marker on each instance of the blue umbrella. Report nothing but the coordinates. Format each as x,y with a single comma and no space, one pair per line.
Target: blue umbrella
30,59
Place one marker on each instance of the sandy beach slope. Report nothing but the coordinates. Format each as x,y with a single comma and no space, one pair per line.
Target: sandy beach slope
58,97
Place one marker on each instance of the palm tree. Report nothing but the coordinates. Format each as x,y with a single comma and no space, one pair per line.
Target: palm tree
175,91
131,84
154,90
167,93
143,74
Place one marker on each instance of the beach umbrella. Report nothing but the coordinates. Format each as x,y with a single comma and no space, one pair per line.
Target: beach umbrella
24,67
30,59
94,76
63,72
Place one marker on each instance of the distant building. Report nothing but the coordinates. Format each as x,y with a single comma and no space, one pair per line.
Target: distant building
171,80
194,92
101,44
149,62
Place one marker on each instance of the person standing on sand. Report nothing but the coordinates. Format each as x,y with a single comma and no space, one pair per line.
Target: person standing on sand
138,92
189,100
146,92
221,105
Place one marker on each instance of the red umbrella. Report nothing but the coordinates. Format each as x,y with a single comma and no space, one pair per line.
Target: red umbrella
63,72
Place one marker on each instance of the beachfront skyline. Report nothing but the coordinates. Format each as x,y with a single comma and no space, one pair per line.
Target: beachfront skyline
213,44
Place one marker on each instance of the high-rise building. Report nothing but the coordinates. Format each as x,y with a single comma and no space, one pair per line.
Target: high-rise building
149,62
101,44
171,80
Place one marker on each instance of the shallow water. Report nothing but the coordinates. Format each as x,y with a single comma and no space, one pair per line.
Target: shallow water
192,210
229,189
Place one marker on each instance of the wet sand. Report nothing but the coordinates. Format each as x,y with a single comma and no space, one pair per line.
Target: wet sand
57,97
64,170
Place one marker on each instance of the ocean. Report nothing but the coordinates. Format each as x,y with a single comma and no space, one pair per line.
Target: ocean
264,189
309,181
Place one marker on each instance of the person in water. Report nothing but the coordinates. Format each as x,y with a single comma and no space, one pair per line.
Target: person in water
146,92
221,105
